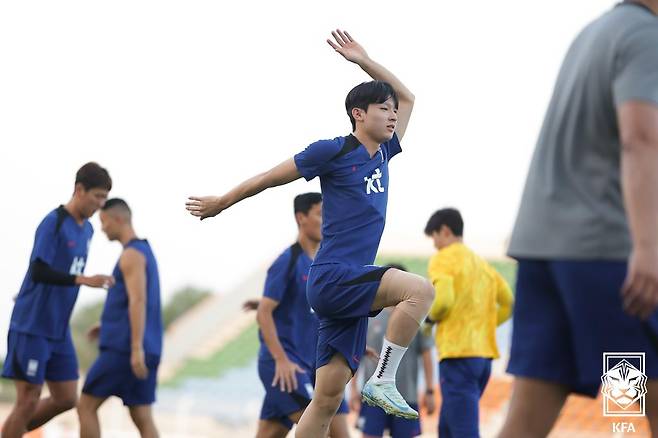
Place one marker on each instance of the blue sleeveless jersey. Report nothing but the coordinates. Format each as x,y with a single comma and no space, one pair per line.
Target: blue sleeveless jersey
115,322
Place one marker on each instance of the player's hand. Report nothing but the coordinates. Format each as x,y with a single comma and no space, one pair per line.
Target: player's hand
99,281
138,363
355,401
285,375
346,46
430,402
250,305
204,207
93,333
640,290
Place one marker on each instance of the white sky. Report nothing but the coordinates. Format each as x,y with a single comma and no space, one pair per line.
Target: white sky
179,97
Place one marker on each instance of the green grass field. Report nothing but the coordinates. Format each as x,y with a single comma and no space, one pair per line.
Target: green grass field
244,348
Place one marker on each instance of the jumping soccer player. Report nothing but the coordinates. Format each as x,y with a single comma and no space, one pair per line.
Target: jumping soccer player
343,287
130,331
39,344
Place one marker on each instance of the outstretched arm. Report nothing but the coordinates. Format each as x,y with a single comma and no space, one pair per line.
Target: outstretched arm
353,52
208,206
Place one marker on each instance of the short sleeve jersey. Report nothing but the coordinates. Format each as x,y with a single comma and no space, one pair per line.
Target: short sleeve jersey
354,196
63,244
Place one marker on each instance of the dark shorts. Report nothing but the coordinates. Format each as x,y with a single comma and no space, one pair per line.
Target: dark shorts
35,359
462,382
111,374
374,421
342,295
279,405
566,315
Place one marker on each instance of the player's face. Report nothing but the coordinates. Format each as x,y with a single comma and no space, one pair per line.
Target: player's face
110,225
311,224
90,200
381,120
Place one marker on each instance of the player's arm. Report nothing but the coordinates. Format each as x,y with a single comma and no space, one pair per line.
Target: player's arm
504,298
44,273
638,126
353,52
208,206
133,267
428,369
285,371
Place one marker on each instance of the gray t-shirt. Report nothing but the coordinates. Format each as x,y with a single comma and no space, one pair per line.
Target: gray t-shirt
572,206
407,376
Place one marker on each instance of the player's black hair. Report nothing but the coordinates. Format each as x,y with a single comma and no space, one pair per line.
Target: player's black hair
116,203
93,176
304,202
367,93
450,217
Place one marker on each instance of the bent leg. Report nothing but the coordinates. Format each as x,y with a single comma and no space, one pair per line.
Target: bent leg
27,398
88,416
411,295
142,416
63,397
534,407
329,391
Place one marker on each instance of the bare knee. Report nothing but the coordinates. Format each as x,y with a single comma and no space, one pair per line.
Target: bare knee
328,402
66,402
142,418
27,405
426,293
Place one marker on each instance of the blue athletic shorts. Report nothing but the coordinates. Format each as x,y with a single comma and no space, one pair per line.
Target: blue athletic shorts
35,359
374,421
278,405
342,295
462,382
566,315
111,374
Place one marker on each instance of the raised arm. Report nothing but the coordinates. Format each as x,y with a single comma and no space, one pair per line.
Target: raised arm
209,206
353,52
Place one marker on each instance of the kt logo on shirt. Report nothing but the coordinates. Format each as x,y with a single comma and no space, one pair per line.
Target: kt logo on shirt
373,184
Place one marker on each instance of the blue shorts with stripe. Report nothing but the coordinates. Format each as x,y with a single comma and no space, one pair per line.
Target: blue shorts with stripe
342,296
36,359
279,405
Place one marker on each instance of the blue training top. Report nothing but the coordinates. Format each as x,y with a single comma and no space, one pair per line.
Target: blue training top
43,309
354,196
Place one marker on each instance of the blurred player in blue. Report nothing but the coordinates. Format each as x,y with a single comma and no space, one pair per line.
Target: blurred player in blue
130,331
39,344
344,288
288,330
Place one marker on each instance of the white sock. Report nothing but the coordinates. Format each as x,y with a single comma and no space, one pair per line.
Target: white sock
389,359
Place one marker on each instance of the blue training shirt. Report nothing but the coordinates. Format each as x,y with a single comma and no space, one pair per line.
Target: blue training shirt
354,196
295,322
44,309
115,321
